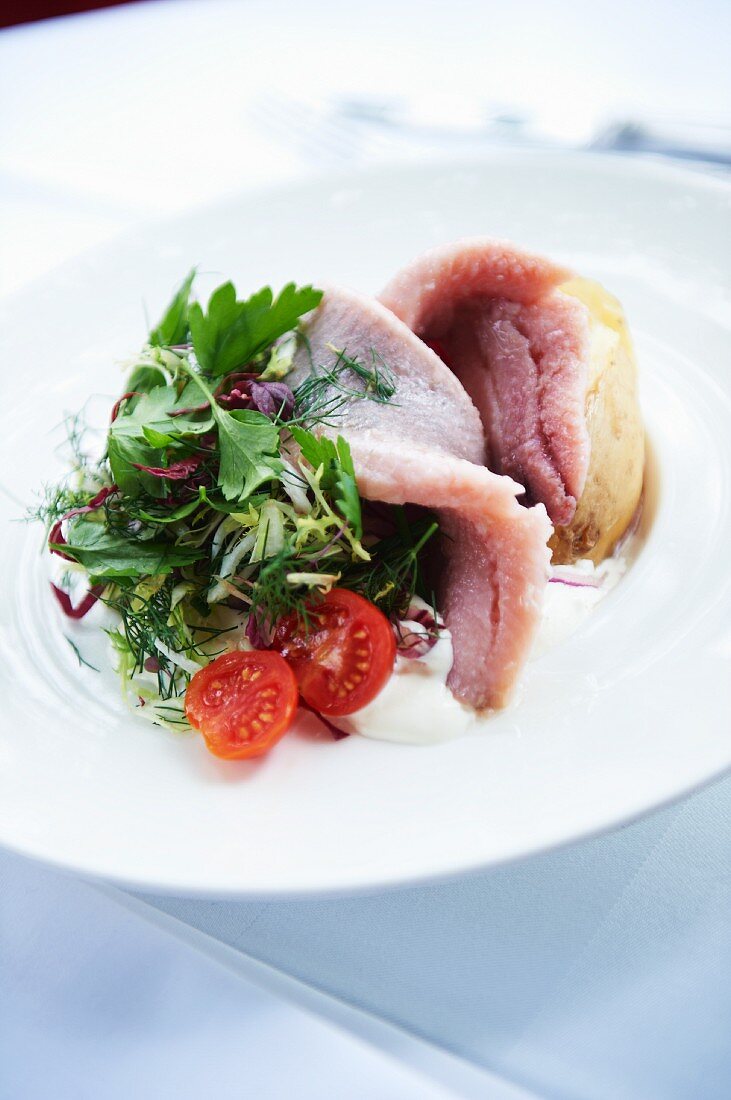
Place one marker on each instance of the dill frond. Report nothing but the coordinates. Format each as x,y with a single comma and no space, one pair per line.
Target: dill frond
328,390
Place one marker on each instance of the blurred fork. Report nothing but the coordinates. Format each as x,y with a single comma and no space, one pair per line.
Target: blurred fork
349,130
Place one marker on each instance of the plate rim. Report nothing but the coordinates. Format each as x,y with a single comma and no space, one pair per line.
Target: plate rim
357,888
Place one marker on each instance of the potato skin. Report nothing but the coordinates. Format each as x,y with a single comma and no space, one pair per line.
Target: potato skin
614,479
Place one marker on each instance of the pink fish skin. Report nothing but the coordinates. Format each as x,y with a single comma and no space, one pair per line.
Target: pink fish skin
519,346
426,447
494,556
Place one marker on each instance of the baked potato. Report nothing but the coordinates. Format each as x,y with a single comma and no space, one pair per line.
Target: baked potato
613,486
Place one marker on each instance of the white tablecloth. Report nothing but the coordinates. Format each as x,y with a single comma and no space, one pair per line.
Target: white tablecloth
599,972
97,1003
596,972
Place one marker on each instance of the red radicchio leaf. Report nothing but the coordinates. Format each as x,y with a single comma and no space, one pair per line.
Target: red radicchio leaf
81,608
178,471
246,392
55,535
272,399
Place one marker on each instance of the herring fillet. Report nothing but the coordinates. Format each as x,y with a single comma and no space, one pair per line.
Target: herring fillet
494,555
426,447
430,403
519,346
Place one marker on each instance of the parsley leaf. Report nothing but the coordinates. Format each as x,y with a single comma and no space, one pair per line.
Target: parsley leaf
173,328
249,444
338,473
232,333
105,553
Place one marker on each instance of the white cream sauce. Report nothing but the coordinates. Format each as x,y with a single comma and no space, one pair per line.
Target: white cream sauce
417,707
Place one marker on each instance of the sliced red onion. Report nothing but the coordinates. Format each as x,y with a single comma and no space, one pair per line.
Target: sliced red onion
574,584
572,578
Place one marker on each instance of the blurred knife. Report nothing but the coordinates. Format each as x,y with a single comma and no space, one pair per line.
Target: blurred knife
686,141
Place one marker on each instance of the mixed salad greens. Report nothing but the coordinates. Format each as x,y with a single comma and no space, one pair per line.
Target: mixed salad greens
219,520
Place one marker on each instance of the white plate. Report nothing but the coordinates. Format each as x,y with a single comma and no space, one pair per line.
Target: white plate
632,711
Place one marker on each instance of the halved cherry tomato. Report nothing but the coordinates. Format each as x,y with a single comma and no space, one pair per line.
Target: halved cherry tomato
242,703
342,656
